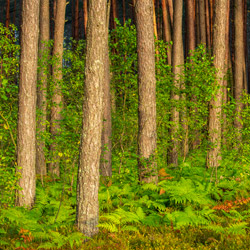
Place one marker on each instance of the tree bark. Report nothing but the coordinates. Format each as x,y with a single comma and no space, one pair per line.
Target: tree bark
42,88
90,150
219,49
114,12
167,29
7,21
202,20
26,138
190,24
177,60
57,99
147,91
239,66
106,163
85,16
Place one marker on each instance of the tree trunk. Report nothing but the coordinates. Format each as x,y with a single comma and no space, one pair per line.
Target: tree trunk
239,66
124,11
167,29
57,98
171,11
7,22
177,60
190,24
76,23
85,16
26,131
208,34
106,164
202,20
219,49
147,91
88,174
114,12
42,88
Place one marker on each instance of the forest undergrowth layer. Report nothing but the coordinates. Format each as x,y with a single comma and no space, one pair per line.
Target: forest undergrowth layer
188,209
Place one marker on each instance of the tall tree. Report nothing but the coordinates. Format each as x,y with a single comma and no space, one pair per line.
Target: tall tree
147,91
76,22
26,139
190,7
239,63
57,98
106,164
219,50
114,13
88,173
167,29
42,87
177,60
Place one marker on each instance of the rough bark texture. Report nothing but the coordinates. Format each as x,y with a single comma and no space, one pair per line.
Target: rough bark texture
167,29
147,91
57,78
177,59
42,88
88,173
106,164
26,140
219,49
239,65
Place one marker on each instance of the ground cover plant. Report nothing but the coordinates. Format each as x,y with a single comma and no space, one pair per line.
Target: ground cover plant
191,206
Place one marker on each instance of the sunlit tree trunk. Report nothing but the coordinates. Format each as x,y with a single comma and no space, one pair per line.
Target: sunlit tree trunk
42,88
26,130
177,60
57,99
106,164
87,214
219,50
147,91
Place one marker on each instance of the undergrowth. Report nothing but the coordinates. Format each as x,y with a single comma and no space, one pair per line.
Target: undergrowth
184,211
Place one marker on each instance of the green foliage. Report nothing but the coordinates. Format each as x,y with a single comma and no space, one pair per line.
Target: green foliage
9,67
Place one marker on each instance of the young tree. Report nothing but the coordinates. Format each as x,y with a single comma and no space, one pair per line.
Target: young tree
26,139
42,87
219,49
202,21
177,60
57,76
85,15
88,173
106,164
147,91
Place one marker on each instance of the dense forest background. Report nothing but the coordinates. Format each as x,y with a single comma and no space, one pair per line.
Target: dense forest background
124,124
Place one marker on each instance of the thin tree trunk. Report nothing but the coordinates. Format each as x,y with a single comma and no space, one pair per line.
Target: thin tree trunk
239,63
7,21
155,24
106,163
177,60
124,11
87,215
147,91
219,49
208,34
202,20
57,99
190,24
171,11
42,88
114,12
26,130
167,30
85,16
76,23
